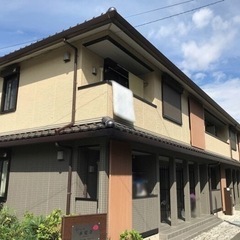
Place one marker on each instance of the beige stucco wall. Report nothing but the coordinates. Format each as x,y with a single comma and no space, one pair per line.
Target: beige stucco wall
215,145
94,103
88,61
136,85
153,120
235,154
44,94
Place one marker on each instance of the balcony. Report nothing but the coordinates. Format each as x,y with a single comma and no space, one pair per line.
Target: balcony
95,101
216,145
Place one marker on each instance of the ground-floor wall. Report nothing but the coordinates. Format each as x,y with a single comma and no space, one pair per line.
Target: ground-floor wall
40,181
37,180
136,185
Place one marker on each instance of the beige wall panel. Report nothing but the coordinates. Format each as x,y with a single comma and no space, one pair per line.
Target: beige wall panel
197,124
136,85
94,103
37,181
120,189
152,89
215,145
44,95
150,118
154,121
89,61
235,155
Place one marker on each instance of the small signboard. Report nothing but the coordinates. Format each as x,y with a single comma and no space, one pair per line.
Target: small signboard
86,232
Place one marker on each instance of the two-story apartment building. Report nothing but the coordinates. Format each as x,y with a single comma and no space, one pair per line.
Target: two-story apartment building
95,120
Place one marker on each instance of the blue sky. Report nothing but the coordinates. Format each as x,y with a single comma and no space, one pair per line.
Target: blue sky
204,43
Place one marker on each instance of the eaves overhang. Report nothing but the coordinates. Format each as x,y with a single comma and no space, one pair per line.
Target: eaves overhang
116,131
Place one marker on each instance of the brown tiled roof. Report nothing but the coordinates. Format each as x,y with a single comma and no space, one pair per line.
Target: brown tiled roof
51,132
115,131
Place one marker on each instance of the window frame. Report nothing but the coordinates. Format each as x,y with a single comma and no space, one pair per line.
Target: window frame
86,169
5,157
170,84
10,89
233,139
114,71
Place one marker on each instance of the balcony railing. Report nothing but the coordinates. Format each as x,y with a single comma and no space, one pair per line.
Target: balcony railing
214,144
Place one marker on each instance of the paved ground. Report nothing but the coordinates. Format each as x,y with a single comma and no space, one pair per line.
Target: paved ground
229,229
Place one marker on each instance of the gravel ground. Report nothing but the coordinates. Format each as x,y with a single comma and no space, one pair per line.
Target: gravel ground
226,230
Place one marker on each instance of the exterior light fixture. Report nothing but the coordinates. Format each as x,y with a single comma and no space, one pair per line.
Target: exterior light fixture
67,57
94,71
60,155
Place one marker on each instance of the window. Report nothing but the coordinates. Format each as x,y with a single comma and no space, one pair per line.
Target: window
87,170
215,126
143,169
233,139
4,172
10,90
113,71
171,98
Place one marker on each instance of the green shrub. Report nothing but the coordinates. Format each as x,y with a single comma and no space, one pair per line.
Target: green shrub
10,227
50,227
130,235
31,227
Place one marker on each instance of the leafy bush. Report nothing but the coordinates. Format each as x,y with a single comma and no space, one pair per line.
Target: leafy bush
50,227
130,235
31,227
9,225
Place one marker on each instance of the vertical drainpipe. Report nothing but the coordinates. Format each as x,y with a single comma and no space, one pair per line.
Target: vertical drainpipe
74,94
69,182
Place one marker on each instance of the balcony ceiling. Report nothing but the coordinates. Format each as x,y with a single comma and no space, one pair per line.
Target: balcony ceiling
106,47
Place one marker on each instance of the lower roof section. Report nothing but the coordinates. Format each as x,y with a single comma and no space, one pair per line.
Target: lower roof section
113,130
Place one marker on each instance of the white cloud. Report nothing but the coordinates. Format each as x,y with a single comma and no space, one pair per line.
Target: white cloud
170,31
226,94
218,24
202,17
219,76
202,55
198,57
199,77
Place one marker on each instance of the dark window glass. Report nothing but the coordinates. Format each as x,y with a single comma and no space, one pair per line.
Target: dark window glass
113,71
4,172
233,140
89,158
9,96
171,104
215,126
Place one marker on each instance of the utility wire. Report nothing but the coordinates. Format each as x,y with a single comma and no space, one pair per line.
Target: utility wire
181,13
157,9
18,44
143,24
